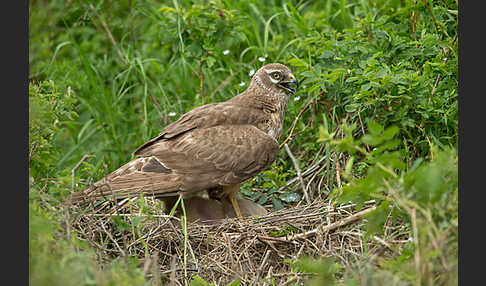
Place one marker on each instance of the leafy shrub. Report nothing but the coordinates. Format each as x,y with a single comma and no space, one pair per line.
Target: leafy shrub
54,253
57,257
424,195
49,108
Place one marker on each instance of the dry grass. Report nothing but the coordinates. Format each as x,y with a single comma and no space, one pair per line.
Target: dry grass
251,249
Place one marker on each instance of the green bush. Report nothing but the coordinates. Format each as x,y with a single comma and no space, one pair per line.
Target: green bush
54,253
425,196
49,108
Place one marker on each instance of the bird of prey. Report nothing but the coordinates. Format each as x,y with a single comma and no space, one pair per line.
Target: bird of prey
214,147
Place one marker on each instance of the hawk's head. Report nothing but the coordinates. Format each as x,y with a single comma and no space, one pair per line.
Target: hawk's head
275,78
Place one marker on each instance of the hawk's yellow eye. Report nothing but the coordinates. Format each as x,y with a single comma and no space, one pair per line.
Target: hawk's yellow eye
276,75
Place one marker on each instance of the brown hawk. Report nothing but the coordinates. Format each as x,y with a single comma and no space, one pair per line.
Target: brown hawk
214,147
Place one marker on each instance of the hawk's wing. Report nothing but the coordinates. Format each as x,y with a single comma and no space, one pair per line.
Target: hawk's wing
206,116
195,160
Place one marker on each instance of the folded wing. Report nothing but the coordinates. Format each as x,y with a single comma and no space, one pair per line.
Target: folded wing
194,160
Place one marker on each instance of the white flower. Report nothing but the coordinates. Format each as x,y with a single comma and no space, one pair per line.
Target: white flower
225,52
242,83
296,98
252,72
261,59
172,114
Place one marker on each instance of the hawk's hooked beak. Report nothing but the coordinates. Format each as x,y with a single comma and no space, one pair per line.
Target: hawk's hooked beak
294,80
286,84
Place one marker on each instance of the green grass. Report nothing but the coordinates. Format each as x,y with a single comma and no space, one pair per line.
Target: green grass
107,76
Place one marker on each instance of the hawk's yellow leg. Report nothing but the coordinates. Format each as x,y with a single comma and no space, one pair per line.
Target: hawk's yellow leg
232,193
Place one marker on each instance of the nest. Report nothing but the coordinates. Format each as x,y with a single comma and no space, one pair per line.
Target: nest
255,250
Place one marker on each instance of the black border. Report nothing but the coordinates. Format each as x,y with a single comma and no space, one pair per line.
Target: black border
471,126
15,118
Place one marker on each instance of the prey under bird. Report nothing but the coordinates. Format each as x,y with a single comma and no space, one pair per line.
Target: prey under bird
214,147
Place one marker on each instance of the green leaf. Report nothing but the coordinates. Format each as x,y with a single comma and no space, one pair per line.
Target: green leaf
198,281
137,220
297,62
335,74
372,140
374,127
389,145
263,199
120,224
349,166
348,130
390,132
324,134
366,86
290,197
195,49
376,219
453,12
416,164
327,54
277,204
324,270
351,107
234,283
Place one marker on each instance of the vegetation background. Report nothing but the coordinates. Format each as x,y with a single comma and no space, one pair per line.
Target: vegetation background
378,87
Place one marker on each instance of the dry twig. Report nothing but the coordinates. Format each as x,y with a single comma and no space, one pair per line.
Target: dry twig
299,173
297,119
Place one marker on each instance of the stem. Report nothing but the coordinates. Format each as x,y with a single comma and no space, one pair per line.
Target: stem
201,81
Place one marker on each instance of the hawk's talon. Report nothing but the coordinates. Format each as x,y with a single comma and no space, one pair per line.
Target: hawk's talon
236,206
